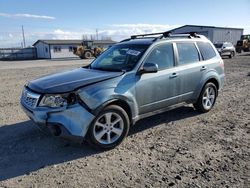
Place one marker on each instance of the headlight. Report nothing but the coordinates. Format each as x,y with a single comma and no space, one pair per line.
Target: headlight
58,100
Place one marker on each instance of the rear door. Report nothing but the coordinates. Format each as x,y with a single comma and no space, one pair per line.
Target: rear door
189,69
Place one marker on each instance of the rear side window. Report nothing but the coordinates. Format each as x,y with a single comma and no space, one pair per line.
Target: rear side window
187,53
206,50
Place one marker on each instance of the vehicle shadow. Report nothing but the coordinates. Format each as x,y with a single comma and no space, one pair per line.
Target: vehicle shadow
25,149
166,117
245,54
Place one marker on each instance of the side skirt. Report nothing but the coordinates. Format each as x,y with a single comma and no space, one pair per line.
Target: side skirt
142,116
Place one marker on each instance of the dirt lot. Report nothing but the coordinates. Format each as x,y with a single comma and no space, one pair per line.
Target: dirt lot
179,148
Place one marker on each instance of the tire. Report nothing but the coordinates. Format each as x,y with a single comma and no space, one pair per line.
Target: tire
109,128
87,55
231,55
207,98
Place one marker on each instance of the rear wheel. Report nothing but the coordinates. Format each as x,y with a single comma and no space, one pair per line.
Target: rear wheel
207,98
109,128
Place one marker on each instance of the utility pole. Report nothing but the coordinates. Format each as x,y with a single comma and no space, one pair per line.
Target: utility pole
24,44
96,34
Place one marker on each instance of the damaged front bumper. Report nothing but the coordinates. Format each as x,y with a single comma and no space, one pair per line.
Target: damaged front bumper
73,120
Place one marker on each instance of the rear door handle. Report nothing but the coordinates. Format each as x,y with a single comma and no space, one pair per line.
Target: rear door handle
173,75
203,68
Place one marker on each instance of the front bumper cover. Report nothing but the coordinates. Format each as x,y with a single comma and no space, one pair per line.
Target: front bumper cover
76,119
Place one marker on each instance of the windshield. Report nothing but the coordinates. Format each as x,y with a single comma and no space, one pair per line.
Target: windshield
245,37
119,57
218,45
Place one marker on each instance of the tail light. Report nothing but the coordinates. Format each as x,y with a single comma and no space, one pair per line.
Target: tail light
222,64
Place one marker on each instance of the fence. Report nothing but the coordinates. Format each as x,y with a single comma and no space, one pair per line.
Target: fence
17,53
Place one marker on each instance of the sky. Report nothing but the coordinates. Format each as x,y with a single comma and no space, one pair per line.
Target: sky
64,19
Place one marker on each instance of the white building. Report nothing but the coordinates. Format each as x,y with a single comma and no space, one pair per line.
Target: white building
215,34
49,49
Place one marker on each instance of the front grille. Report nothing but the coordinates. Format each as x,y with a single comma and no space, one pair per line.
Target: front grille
29,98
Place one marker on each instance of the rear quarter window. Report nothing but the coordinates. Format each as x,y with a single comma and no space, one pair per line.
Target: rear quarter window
206,50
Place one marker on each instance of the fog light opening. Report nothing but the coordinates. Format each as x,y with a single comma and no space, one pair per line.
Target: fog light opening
55,130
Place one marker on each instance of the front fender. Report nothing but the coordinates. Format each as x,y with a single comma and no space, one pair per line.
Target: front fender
97,98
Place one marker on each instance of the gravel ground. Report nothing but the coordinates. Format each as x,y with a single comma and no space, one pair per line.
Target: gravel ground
179,148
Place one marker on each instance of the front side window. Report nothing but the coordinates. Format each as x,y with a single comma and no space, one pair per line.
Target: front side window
121,57
207,51
162,55
187,53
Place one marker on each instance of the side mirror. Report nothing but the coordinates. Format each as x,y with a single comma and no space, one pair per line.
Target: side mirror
149,68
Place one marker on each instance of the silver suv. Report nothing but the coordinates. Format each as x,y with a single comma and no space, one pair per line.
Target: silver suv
225,49
133,79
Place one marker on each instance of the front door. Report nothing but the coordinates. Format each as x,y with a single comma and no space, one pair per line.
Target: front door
158,90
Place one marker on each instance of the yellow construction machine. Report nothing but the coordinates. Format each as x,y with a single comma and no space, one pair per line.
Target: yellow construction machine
87,51
243,44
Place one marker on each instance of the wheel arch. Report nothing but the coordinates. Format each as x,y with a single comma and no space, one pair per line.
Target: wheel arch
214,81
211,79
119,102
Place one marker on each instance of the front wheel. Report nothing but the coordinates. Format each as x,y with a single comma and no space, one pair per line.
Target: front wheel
109,128
87,55
231,55
207,98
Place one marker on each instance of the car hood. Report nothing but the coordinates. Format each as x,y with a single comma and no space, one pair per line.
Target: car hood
70,80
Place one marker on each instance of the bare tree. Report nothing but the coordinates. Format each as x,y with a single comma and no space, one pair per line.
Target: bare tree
85,37
105,37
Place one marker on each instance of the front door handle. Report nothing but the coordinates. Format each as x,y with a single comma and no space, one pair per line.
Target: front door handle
173,75
203,68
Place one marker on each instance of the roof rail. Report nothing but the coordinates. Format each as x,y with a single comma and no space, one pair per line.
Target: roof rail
125,40
165,34
189,35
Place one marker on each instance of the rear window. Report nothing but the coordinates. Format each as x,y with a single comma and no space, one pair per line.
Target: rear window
206,50
228,45
218,45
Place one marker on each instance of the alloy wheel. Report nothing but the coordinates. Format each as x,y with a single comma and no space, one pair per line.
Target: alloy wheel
108,128
208,98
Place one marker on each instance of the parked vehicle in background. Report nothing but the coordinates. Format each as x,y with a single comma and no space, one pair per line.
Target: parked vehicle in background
225,49
243,44
136,78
